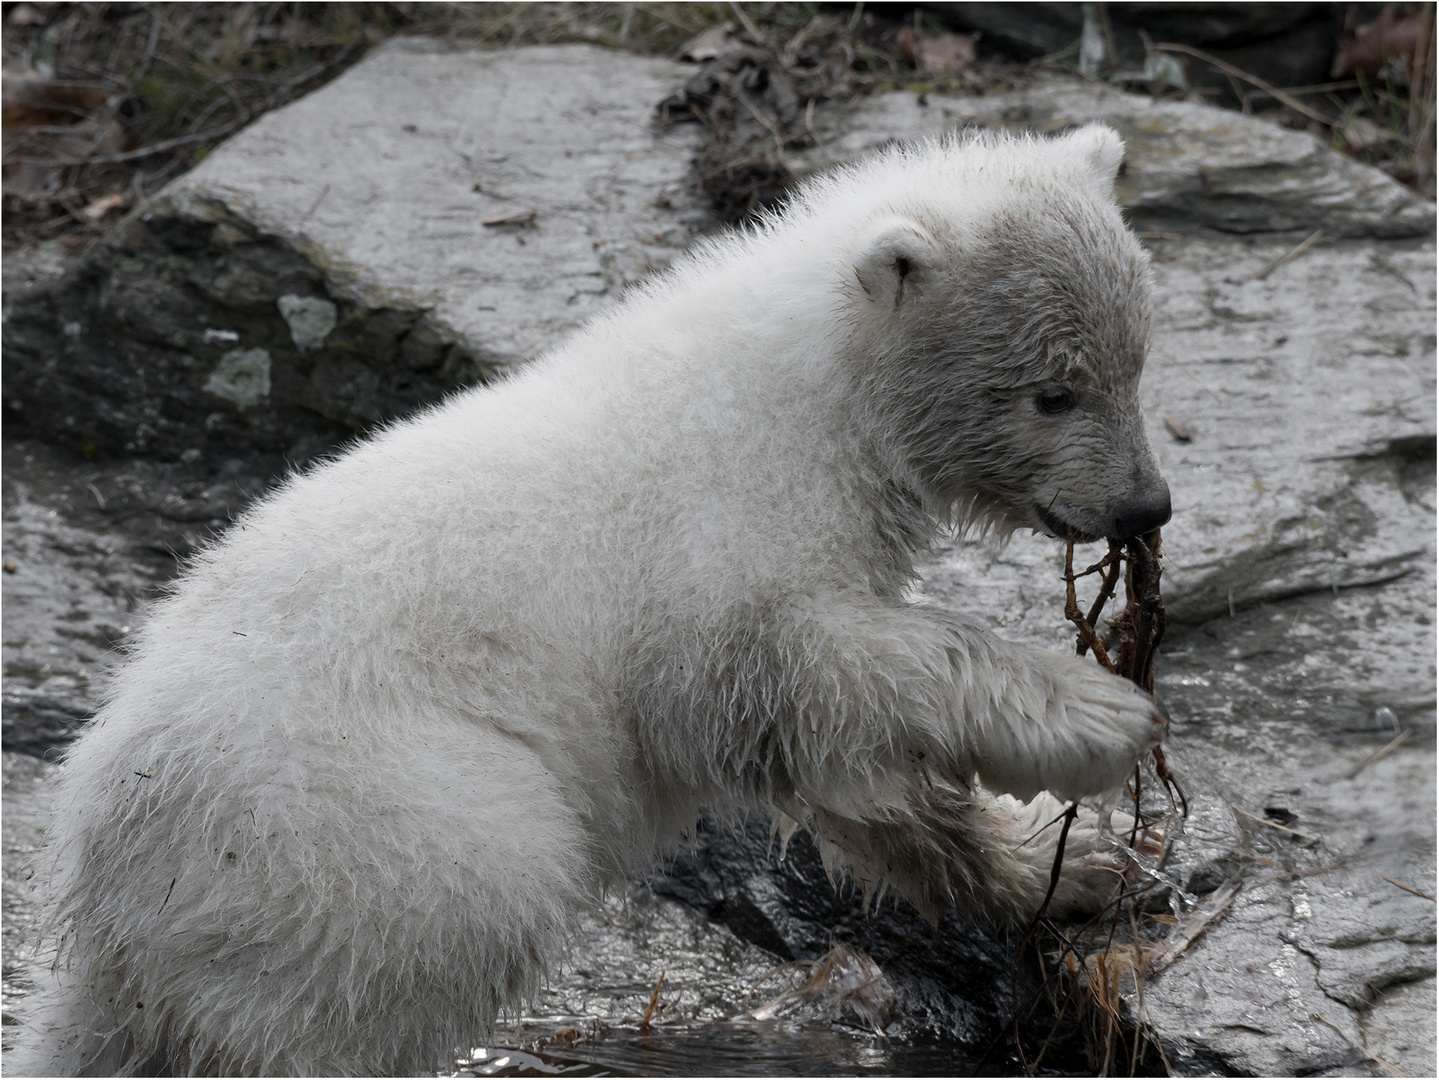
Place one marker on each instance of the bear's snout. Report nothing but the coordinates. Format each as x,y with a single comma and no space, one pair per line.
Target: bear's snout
1142,513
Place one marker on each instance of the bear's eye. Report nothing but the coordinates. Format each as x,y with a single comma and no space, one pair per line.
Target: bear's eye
1054,402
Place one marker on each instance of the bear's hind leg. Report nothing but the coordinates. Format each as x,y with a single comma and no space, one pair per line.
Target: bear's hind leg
345,912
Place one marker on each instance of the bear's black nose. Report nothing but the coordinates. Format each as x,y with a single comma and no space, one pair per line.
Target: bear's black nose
1143,515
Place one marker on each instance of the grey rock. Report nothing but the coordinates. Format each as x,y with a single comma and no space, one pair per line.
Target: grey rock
22,833
1185,162
1407,1045
330,267
310,319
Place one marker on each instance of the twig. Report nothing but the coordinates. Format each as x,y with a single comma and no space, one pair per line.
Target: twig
773,972
1107,585
1274,824
1302,247
1069,816
1383,752
1039,831
1229,69
144,151
1087,639
653,1005
1195,923
1171,782
748,23
1408,888
314,205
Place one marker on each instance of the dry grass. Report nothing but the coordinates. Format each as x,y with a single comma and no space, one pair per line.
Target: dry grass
105,103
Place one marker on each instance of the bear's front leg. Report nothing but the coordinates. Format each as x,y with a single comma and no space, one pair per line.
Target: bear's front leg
844,699
1038,720
878,678
1091,731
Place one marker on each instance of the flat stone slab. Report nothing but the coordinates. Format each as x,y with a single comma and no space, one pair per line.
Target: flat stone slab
1184,161
389,175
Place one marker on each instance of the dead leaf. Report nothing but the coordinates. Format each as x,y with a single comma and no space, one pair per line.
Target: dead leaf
904,50
1361,133
1369,47
29,100
712,43
25,15
102,206
1178,428
525,219
947,54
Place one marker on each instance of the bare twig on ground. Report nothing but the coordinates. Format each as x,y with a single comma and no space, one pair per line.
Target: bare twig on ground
1275,825
1378,755
1407,888
1390,1069
1289,256
1239,73
1192,925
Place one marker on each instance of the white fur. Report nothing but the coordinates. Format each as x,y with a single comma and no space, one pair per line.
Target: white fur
431,696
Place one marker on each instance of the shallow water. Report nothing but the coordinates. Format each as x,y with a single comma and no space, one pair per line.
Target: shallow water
811,1048
591,1014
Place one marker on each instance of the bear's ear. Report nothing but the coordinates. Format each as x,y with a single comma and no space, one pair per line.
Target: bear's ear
1100,148
893,260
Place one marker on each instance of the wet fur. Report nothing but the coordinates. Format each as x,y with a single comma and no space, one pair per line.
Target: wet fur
425,701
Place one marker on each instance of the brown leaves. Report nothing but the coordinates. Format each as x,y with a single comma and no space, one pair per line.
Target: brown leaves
46,119
939,54
757,94
30,99
104,103
1393,38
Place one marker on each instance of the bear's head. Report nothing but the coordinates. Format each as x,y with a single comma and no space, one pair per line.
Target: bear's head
1000,311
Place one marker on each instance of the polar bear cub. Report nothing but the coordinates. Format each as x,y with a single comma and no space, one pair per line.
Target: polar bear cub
423,702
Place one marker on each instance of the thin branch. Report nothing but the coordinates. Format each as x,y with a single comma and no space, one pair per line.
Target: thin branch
144,151
1229,69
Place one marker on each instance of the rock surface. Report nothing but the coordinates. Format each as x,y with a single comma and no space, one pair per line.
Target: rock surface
420,223
1186,163
329,267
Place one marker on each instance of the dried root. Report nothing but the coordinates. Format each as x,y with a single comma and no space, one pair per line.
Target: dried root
1134,634
1093,966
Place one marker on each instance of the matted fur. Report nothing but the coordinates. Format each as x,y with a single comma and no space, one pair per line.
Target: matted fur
421,703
